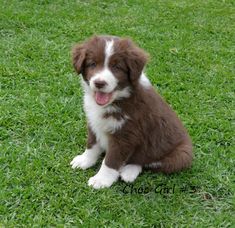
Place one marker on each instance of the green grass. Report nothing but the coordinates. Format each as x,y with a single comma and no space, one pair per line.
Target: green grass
42,125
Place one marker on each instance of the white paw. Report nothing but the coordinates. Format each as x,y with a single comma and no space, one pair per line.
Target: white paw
104,178
130,172
82,161
99,181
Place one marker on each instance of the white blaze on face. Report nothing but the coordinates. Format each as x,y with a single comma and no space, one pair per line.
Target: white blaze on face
108,52
104,95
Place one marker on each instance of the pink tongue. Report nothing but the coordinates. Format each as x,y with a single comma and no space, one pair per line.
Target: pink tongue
102,98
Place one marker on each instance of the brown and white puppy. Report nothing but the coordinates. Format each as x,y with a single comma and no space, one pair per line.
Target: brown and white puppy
127,119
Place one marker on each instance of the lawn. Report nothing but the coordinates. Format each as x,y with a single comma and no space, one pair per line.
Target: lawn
43,126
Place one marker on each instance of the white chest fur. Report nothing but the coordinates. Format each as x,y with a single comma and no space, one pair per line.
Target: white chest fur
101,126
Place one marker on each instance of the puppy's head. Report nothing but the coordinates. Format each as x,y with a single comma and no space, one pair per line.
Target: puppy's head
110,67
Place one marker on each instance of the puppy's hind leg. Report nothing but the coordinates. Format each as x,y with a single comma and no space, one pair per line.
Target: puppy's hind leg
130,172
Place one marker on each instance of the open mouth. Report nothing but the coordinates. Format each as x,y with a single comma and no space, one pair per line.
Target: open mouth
102,98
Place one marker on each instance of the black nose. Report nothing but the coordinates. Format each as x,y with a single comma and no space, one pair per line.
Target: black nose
99,84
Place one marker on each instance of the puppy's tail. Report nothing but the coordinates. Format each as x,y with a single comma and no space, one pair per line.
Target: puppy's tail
180,158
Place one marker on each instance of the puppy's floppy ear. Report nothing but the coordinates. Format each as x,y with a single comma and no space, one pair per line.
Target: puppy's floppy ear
78,57
136,59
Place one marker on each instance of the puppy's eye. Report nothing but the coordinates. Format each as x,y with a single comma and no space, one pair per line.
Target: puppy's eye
91,65
116,67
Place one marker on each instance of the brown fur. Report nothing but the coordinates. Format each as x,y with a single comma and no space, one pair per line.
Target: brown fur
153,133
91,139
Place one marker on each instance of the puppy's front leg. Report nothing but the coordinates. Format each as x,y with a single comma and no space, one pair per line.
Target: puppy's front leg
91,154
105,177
115,158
